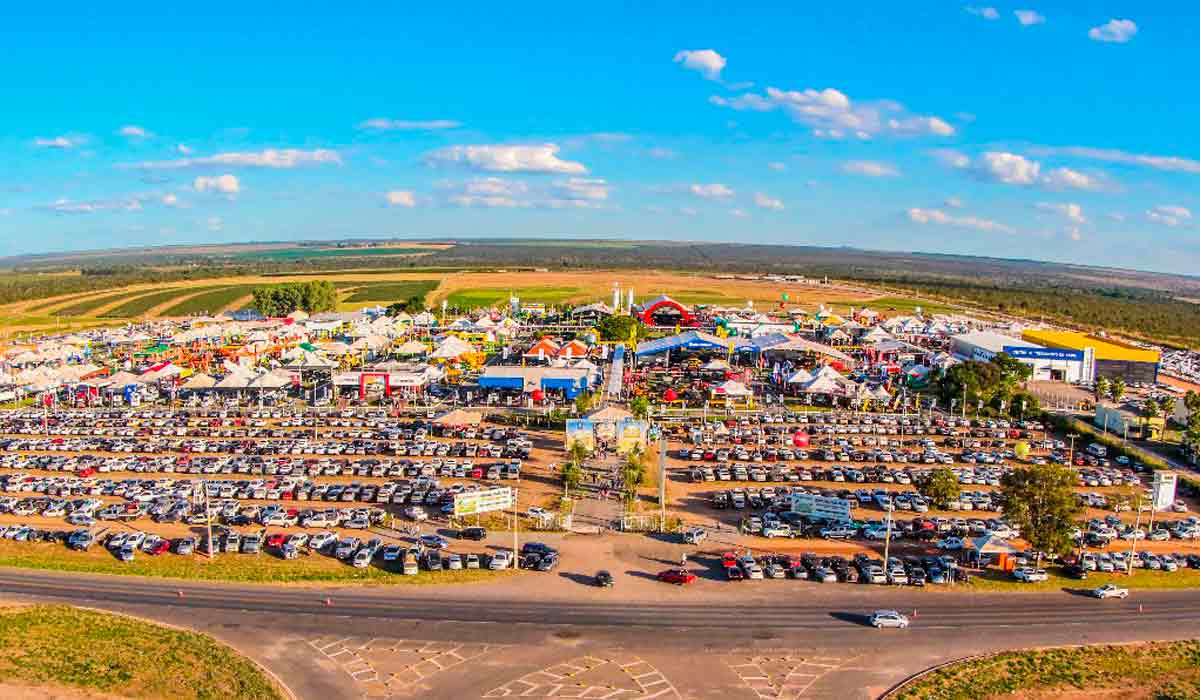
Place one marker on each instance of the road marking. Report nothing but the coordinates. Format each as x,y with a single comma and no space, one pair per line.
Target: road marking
416,661
617,676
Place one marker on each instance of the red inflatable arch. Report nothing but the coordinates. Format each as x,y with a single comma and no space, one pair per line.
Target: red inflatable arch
686,317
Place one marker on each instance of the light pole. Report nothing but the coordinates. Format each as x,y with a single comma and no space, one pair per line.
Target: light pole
1071,453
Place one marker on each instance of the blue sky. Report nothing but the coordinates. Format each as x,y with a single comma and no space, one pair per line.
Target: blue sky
1037,130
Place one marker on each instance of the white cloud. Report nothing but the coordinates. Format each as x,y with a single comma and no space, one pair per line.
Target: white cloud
739,213
941,218
1029,17
134,132
1117,216
171,200
661,153
538,158
1169,215
401,198
68,206
870,168
954,203
1066,178
380,124
1116,31
706,61
688,211
1009,168
767,202
715,190
988,13
951,158
495,186
777,166
60,142
1015,169
495,192
184,149
583,189
1070,210
223,184
1074,234
215,223
832,114
278,159
1106,155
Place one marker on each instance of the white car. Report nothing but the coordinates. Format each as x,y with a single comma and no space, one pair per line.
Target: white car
888,618
950,543
1109,590
1030,575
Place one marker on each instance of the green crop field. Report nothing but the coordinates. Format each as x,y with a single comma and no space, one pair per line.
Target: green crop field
474,298
90,652
90,304
210,302
907,306
140,305
391,291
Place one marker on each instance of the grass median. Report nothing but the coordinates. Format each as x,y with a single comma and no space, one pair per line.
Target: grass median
1162,671
57,647
1002,581
233,568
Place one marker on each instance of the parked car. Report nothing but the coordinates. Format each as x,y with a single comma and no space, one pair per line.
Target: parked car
679,577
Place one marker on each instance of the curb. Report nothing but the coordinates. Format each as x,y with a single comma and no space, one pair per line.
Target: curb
891,692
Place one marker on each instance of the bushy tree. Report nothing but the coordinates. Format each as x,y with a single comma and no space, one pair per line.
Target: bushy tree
1116,389
1039,499
313,296
618,327
940,486
639,406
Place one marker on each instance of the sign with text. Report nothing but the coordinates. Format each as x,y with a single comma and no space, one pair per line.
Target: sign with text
1163,490
483,501
1053,354
837,509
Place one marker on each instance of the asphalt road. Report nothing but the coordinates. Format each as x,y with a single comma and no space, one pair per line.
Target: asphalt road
776,641
934,611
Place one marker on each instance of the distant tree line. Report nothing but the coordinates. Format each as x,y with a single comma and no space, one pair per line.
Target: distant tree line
282,299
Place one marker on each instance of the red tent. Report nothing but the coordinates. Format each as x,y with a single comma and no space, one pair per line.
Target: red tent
670,395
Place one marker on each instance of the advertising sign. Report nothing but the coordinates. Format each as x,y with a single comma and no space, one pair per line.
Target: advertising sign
483,501
581,430
1163,490
836,509
1054,354
631,433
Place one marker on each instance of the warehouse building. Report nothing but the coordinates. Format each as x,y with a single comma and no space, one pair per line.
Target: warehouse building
1049,364
1112,358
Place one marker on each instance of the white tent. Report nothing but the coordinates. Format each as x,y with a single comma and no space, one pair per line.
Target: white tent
732,388
412,347
451,348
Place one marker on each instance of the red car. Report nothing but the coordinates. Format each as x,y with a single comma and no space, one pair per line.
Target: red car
161,547
679,577
276,540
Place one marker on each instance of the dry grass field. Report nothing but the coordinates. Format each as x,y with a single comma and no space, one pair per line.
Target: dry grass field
465,288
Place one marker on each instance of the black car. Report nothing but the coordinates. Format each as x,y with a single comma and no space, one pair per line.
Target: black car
603,579
472,533
537,548
1076,571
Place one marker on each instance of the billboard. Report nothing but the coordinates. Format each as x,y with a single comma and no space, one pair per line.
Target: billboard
1053,354
581,430
483,501
837,509
631,433
1163,490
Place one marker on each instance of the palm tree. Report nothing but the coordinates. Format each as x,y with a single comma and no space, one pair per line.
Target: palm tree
1101,388
1117,389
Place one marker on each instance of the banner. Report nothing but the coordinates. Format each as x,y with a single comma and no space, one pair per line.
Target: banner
485,501
581,430
631,433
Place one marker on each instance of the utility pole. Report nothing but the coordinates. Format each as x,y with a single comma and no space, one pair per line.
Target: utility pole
1136,500
887,543
1071,453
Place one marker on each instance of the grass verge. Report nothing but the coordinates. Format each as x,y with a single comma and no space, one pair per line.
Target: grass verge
998,581
58,645
474,298
234,568
1164,671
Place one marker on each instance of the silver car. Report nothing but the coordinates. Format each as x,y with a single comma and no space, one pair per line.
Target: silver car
888,618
